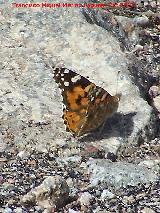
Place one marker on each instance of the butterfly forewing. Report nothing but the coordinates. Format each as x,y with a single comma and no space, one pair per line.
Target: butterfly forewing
74,88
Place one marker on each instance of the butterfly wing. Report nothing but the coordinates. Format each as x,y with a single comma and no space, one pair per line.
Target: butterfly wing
101,106
75,89
86,106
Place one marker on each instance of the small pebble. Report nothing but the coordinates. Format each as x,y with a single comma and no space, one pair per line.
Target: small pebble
106,194
23,154
141,21
147,210
73,211
18,210
8,210
85,199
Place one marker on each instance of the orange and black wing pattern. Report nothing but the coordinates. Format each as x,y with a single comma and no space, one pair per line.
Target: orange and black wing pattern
74,88
86,106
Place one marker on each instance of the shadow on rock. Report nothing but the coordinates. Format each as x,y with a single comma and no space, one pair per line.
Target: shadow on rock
120,125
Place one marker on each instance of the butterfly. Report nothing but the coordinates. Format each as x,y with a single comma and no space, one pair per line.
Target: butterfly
86,105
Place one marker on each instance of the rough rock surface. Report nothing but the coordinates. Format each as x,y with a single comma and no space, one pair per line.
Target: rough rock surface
119,174
29,96
52,193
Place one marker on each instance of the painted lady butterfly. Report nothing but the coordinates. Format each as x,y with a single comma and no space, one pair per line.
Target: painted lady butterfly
86,106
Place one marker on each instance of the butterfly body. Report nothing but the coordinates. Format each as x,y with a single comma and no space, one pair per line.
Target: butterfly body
86,106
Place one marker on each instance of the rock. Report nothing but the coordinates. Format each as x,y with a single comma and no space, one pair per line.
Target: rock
154,93
3,146
152,164
31,108
141,21
156,102
1,179
52,193
73,211
34,96
18,210
119,174
85,199
147,210
60,142
127,200
7,210
99,210
106,194
23,154
69,159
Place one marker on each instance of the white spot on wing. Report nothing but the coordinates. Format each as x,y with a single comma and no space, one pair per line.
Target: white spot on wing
66,83
92,98
66,71
75,78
